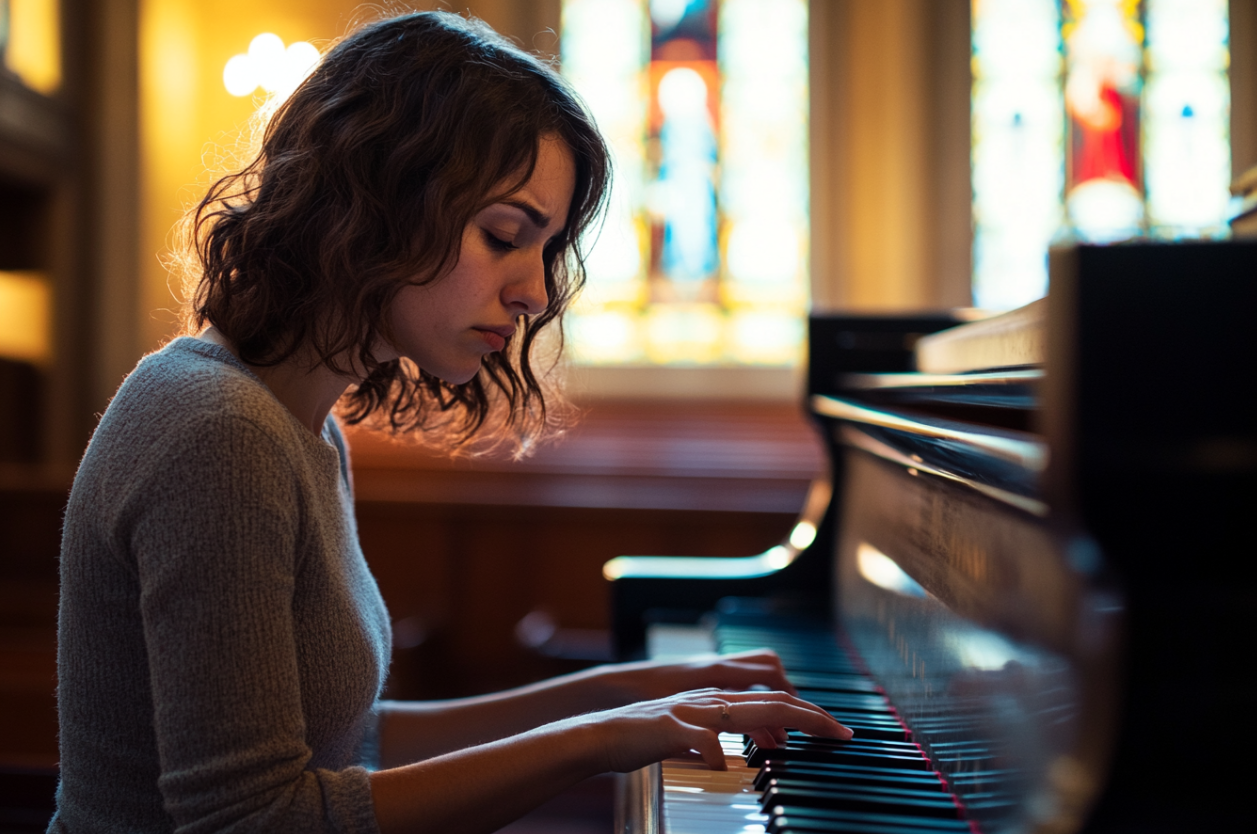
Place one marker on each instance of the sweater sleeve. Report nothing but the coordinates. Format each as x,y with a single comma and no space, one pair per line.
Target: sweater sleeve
216,536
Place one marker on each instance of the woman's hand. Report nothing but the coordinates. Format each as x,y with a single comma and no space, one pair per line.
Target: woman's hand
650,680
649,731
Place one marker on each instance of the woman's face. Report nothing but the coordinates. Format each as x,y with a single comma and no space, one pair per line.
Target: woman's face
448,326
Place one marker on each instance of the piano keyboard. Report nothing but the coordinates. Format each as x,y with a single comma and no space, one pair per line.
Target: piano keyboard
880,782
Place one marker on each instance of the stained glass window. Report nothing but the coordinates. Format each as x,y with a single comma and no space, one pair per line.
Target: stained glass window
703,258
1094,120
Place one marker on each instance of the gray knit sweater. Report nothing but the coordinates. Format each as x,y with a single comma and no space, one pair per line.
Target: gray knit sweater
221,643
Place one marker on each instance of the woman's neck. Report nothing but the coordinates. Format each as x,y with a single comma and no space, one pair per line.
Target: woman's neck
309,389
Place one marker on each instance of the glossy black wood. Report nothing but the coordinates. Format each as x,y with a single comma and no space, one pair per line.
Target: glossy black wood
1151,413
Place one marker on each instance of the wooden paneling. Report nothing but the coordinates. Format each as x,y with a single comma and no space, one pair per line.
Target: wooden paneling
31,503
464,549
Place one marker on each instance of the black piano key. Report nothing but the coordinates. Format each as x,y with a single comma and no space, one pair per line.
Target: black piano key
838,774
795,825
880,746
801,781
821,821
883,732
904,803
836,815
858,684
976,777
887,719
875,704
855,757
795,735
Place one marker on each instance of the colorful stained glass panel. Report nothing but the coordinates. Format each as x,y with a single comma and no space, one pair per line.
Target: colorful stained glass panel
1093,120
703,259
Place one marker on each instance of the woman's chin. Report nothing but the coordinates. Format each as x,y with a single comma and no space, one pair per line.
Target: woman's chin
456,376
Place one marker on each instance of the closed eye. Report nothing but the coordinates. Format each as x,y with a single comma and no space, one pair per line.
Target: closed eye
498,243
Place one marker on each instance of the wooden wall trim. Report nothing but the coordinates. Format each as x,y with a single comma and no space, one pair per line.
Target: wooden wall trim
1243,16
684,457
113,196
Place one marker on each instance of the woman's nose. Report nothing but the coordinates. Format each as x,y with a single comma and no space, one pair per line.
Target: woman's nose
527,293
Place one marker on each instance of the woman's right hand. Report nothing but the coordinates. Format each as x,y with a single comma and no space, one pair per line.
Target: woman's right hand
481,788
640,734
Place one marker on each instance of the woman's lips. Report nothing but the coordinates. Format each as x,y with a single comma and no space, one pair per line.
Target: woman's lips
495,339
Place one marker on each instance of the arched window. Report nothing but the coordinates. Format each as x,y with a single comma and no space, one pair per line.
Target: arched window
703,259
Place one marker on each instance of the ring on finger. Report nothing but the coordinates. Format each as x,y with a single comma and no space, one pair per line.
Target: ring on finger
724,712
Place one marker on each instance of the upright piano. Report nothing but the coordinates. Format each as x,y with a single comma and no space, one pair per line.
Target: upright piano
1025,582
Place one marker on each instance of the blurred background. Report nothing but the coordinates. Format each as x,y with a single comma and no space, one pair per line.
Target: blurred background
772,157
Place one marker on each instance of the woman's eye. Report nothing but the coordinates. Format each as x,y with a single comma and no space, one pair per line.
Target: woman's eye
498,243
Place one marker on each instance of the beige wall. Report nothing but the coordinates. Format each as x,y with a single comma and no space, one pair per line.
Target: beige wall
890,154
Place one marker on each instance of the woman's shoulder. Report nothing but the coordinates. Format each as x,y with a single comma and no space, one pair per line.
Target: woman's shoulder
190,381
189,393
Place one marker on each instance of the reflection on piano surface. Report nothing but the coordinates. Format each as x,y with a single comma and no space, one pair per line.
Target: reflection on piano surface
1022,587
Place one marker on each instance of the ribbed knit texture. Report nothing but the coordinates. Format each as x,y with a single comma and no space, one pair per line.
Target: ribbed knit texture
221,642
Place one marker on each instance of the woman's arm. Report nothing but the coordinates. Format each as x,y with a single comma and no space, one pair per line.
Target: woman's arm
484,787
413,731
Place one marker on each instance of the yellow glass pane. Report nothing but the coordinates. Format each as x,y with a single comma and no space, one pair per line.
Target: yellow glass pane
33,52
25,317
609,337
684,334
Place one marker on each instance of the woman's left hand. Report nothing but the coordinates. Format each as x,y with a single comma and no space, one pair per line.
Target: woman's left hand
651,680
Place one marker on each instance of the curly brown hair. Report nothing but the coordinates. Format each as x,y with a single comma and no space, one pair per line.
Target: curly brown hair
366,178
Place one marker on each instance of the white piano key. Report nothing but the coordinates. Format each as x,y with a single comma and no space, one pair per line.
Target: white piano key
699,800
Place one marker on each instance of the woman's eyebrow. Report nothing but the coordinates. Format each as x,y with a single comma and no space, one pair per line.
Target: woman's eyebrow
536,215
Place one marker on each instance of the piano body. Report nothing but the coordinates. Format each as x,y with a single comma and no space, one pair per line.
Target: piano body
1025,584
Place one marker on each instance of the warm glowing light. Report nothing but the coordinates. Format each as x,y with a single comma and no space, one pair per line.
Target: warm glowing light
803,534
25,305
266,56
884,572
33,52
777,557
269,65
711,567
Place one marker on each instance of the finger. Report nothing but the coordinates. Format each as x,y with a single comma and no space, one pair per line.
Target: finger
706,744
765,738
745,716
781,697
715,703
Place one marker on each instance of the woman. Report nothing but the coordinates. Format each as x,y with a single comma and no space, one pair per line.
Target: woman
408,227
